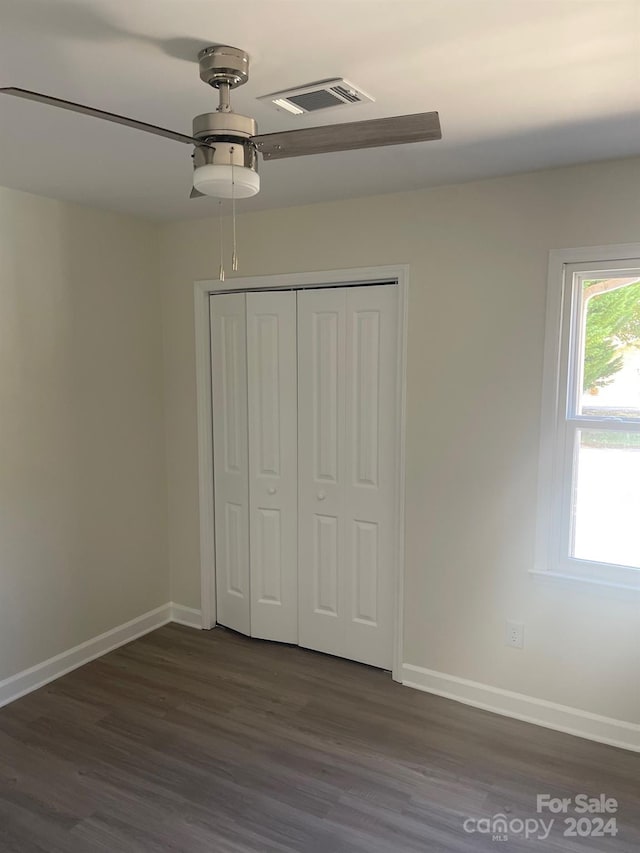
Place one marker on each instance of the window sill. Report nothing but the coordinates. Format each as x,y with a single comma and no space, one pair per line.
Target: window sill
632,586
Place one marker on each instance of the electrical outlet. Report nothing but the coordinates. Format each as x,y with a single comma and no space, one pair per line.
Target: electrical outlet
514,635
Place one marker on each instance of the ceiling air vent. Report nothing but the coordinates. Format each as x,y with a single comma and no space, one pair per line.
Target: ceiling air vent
317,96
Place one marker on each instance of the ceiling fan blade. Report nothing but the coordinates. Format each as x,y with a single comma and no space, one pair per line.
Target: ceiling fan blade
396,130
92,111
196,193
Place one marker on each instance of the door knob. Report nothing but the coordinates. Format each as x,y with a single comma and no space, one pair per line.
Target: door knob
321,496
272,490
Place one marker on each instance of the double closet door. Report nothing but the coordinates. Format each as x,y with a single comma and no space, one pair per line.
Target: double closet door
305,431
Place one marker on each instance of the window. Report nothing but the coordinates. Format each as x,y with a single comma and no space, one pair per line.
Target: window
589,496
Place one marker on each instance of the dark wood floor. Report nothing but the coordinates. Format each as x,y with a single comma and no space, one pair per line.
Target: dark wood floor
201,742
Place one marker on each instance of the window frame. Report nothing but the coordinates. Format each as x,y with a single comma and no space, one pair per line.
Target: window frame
560,421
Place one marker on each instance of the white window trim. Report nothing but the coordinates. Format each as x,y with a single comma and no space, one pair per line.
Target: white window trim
550,531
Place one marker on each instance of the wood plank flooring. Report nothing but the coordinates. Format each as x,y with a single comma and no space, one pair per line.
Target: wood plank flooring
200,742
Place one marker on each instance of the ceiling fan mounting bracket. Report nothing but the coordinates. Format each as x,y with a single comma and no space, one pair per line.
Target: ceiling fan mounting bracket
221,65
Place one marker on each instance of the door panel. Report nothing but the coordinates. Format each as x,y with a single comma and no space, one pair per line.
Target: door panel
370,460
325,330
230,459
267,556
321,440
365,572
273,486
325,565
366,385
347,357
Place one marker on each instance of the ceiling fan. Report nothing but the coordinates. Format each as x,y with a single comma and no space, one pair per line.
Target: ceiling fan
226,144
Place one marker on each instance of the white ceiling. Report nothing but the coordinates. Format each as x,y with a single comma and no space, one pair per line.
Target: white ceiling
519,84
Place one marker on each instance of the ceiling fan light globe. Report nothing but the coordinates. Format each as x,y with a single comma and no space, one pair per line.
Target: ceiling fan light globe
224,181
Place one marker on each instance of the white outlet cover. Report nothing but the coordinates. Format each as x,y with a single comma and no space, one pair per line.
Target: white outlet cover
514,634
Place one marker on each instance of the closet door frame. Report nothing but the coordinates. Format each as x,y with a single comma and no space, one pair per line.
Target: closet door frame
396,275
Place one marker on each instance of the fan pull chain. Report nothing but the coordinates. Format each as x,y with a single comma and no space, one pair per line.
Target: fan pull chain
234,256
221,242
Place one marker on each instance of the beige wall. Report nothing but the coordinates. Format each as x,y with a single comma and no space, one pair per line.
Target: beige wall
478,258
83,543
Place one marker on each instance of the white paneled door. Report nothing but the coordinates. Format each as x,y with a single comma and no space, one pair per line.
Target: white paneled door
305,429
230,459
273,460
347,347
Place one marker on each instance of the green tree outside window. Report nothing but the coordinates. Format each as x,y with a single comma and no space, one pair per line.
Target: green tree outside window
612,321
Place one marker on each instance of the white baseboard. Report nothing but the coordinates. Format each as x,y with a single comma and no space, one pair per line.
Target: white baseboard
188,616
42,673
517,705
562,718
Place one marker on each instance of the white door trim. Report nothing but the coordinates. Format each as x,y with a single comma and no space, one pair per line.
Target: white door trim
332,278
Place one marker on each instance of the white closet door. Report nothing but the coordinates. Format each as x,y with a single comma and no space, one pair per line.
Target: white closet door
347,358
230,459
273,480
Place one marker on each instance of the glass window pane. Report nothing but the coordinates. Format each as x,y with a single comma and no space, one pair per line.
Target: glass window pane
610,362
606,497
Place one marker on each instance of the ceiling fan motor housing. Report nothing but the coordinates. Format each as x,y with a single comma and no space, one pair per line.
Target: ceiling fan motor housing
227,139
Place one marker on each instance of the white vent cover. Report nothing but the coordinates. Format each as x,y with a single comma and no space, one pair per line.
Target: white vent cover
317,96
